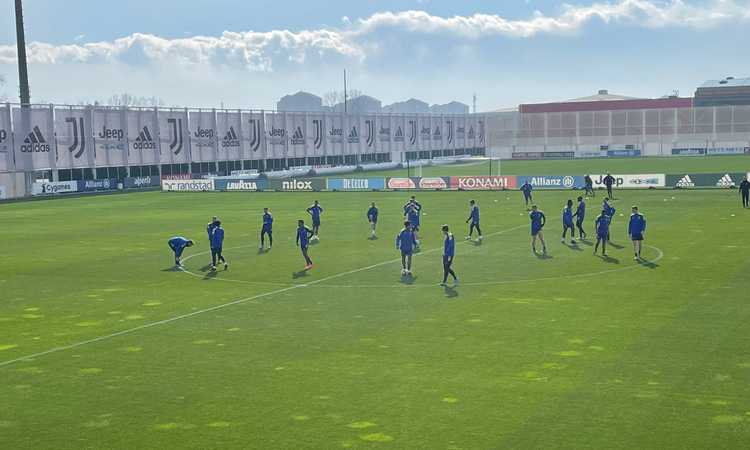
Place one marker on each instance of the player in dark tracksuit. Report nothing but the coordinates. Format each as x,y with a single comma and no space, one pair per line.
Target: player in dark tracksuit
474,219
745,193
449,252
580,215
589,185
609,180
178,245
267,229
217,244
303,241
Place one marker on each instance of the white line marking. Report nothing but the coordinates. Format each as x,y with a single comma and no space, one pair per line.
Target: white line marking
212,308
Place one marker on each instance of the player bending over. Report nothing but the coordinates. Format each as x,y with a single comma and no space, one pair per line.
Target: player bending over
315,211
406,241
538,220
474,219
580,214
267,229
217,243
449,251
602,232
589,185
372,218
178,245
567,220
303,240
636,228
526,188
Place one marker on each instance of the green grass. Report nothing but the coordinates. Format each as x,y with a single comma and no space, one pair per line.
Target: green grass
567,352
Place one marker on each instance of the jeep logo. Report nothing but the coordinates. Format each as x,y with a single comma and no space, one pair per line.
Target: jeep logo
277,132
204,133
115,134
3,135
336,132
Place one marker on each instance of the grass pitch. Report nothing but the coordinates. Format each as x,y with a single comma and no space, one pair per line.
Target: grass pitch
568,352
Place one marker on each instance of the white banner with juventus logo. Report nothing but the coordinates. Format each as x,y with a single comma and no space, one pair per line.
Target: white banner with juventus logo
75,147
174,136
110,137
253,136
335,134
229,127
482,140
384,133
316,128
369,134
276,135
6,140
296,130
412,133
203,136
143,137
449,138
461,132
34,142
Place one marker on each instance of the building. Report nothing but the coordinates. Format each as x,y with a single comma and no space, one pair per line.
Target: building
363,104
411,106
301,101
450,108
729,91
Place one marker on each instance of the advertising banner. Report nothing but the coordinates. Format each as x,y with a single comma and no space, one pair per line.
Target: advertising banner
141,182
527,155
3,194
276,135
174,137
229,130
369,134
412,133
641,181
143,138
6,144
402,183
354,139
316,126
74,138
398,133
187,185
355,184
726,151
704,180
552,181
426,183
437,133
240,185
425,132
252,135
110,137
483,183
105,184
559,155
53,187
34,142
203,136
384,133
623,153
461,132
298,184
297,132
335,135
689,151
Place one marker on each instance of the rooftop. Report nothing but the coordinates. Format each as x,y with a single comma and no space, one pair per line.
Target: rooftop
602,96
727,82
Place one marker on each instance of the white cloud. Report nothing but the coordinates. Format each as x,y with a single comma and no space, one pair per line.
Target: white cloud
262,51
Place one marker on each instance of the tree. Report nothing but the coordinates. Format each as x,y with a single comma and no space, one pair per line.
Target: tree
127,99
334,97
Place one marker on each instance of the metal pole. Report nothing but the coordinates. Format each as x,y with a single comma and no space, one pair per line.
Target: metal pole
23,71
345,93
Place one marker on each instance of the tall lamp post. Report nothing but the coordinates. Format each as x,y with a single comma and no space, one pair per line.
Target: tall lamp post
23,71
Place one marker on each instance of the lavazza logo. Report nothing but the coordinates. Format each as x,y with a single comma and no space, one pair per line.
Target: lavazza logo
685,182
34,142
725,181
242,185
297,185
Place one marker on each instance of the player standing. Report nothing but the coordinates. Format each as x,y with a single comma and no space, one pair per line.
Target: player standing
636,228
412,216
602,232
303,240
609,180
210,227
178,244
474,219
589,185
567,220
217,243
608,210
315,211
406,241
580,214
538,220
449,252
745,193
267,229
526,188
372,218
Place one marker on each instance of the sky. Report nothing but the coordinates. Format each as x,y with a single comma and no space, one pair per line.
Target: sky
247,54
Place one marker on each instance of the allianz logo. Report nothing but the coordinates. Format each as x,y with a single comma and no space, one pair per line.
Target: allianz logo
114,134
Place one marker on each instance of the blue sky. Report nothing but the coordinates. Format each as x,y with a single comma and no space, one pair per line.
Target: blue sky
249,53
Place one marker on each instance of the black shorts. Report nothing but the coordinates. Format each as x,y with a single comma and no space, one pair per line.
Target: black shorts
637,237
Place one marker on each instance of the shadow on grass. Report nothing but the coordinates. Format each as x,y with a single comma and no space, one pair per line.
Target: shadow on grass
172,269
373,238
543,255
574,247
299,274
205,268
210,275
617,246
585,242
263,251
408,279
476,242
450,292
609,259
648,264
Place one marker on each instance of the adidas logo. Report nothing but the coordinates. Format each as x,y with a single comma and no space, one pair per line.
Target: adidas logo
471,133
298,137
436,134
230,139
144,141
353,136
725,181
685,182
34,142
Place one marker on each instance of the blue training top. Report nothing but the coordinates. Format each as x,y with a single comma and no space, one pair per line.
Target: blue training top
474,214
581,210
217,237
537,219
637,224
267,221
315,211
178,242
567,216
303,236
406,241
372,213
602,224
449,247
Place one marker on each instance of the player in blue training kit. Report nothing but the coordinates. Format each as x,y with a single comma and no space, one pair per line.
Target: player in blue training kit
608,210
303,241
210,227
567,220
449,252
526,188
602,232
217,244
474,219
580,214
538,220
372,218
266,230
178,245
406,241
636,228
315,211
412,212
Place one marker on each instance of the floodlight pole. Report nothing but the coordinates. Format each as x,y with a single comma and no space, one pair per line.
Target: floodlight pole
23,71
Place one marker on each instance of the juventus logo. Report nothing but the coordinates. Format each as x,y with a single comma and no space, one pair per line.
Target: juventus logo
412,132
79,144
370,124
481,131
176,144
318,125
254,134
449,125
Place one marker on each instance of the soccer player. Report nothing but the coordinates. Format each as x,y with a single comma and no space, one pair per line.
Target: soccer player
315,211
267,229
474,218
372,218
745,193
567,220
217,243
526,188
609,210
602,232
303,240
413,201
636,228
210,227
589,185
178,245
580,214
406,241
538,220
609,180
449,251
412,216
